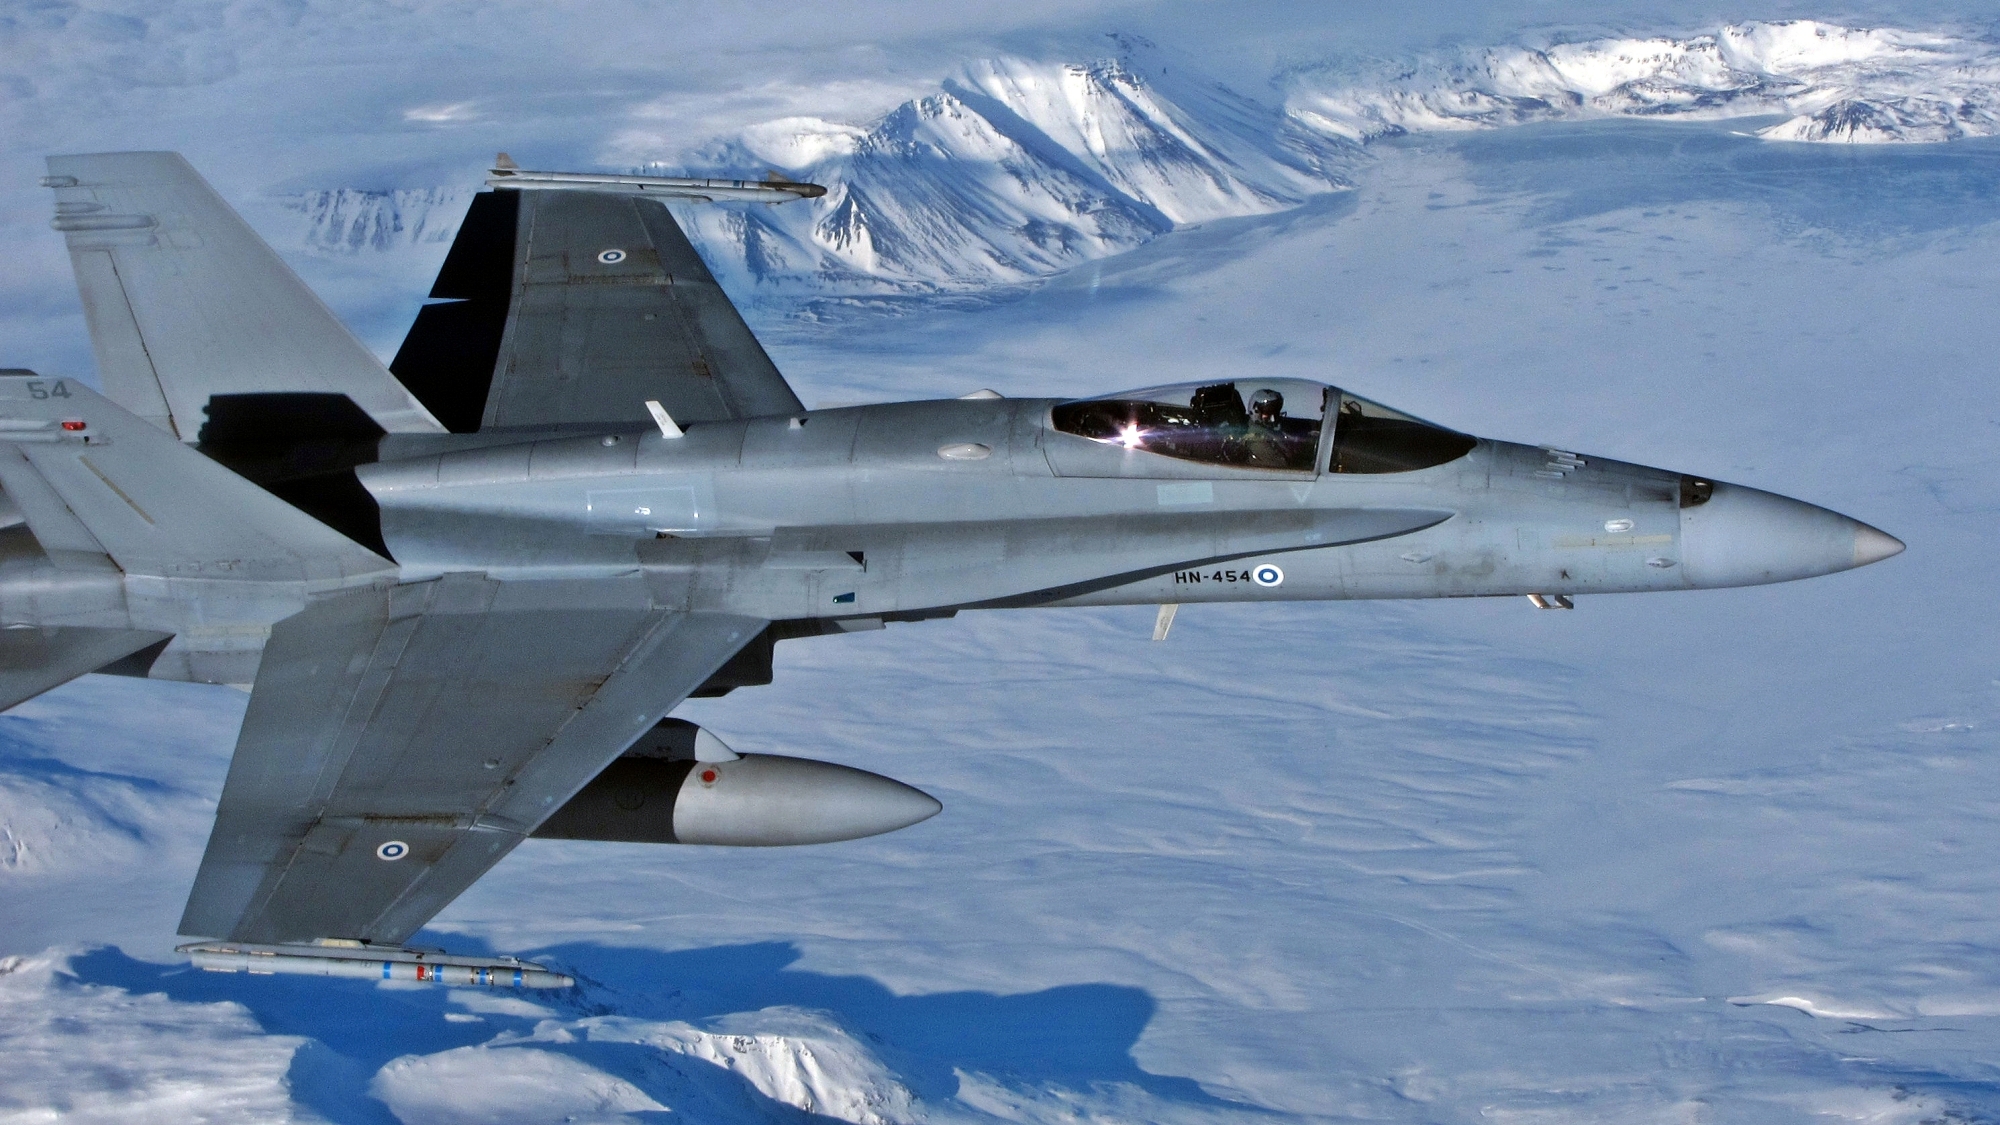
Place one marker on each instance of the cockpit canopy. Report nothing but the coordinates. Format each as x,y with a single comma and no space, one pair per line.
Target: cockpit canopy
1272,424
1211,422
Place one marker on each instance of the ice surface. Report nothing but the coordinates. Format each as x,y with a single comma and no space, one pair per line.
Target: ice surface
475,1085
92,1053
1726,856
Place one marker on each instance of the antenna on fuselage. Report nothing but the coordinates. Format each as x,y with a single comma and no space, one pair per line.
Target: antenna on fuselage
668,427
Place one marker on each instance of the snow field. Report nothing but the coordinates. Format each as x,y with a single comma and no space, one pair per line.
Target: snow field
1725,856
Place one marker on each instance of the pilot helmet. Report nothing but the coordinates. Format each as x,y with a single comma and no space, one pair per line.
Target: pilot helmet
1267,404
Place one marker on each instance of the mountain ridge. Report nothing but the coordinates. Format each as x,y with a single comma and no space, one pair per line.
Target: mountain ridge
1012,170
1832,84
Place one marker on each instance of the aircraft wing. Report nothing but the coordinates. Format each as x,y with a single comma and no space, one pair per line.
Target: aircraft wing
573,308
401,739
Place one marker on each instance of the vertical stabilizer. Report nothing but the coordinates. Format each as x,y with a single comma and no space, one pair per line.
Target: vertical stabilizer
186,303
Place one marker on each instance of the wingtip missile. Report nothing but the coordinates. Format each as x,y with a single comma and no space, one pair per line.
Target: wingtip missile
369,962
505,173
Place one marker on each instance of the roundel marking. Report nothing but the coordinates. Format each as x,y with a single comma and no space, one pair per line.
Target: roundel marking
611,257
1268,575
392,850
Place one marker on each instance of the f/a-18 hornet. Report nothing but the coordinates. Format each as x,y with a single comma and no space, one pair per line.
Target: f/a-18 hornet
467,589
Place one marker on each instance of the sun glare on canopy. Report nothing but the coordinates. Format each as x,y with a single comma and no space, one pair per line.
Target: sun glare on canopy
1272,424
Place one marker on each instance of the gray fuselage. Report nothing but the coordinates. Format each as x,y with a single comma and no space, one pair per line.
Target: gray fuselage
902,511
907,509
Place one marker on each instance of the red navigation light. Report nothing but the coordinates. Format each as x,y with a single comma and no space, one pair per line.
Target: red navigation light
73,425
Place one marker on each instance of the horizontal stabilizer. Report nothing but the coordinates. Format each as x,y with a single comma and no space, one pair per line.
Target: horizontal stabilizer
33,661
185,302
91,477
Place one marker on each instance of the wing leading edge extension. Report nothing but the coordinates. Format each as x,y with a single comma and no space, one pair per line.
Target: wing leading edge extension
401,740
572,308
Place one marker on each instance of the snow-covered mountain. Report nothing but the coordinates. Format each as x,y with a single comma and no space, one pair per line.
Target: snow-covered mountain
1013,169
1833,84
784,1058
353,219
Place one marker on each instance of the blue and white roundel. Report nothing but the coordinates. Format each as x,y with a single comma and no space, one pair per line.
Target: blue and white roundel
611,257
1268,575
392,850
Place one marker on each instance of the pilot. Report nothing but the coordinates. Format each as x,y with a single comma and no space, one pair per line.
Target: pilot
1264,436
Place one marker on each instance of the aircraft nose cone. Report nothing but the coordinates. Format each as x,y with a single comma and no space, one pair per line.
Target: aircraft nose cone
1871,545
1745,536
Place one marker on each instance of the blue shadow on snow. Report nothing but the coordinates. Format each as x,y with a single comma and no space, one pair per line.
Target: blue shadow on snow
1072,1036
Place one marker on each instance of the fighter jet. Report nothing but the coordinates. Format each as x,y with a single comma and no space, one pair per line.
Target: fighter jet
466,590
